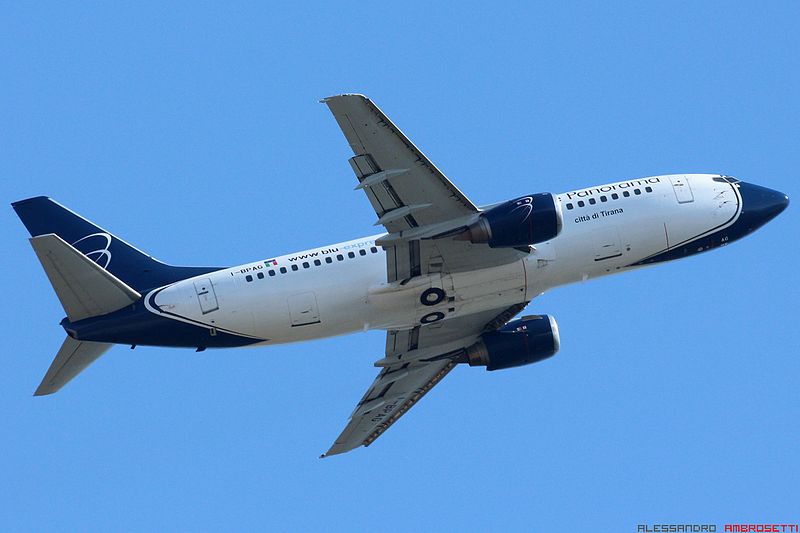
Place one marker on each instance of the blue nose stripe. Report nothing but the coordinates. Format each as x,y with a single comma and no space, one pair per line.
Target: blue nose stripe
759,206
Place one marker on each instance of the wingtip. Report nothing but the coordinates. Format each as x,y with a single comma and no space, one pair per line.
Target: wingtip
343,95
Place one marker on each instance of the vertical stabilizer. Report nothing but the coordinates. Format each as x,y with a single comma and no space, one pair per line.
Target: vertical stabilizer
42,215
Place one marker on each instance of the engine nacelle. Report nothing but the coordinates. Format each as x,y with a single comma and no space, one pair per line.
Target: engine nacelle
520,342
521,222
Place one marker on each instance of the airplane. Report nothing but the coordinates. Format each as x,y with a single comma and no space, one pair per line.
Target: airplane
444,280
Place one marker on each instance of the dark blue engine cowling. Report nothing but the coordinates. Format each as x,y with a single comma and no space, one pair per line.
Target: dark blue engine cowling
520,342
521,222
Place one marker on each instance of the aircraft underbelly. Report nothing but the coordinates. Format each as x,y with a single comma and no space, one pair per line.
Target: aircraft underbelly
434,297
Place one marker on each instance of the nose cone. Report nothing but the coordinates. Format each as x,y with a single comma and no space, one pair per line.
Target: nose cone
760,205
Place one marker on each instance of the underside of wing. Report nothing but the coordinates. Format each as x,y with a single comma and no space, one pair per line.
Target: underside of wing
405,188
416,360
413,200
392,394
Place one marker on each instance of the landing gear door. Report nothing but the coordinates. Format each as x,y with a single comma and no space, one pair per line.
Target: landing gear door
436,292
435,299
683,191
206,295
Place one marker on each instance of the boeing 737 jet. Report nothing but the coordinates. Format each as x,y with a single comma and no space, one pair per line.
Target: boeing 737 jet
445,278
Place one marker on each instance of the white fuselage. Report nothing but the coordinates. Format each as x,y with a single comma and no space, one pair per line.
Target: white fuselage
342,287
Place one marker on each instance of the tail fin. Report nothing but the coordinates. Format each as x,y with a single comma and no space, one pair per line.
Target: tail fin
42,215
73,357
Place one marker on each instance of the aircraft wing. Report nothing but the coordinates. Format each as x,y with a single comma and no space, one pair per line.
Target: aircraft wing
421,211
411,197
405,188
416,360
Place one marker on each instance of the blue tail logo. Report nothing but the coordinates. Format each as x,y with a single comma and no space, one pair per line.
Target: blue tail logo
101,242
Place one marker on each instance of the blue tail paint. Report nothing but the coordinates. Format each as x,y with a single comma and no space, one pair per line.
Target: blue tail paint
42,215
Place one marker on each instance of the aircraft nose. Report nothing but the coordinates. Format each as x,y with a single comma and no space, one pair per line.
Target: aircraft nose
760,204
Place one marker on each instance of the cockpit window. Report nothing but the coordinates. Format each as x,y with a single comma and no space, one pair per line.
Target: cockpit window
725,179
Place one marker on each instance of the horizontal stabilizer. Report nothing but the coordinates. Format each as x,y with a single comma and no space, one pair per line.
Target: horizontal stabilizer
84,288
71,359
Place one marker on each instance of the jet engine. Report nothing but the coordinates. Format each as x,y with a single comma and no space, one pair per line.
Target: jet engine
521,222
520,342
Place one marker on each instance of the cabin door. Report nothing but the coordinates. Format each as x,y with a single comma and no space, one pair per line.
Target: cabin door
683,191
206,295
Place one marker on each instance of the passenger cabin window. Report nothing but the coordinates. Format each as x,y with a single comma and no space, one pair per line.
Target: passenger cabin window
603,199
648,189
271,272
283,270
260,275
295,268
328,260
570,206
373,250
592,201
340,257
362,252
615,196
248,278
317,262
625,194
351,255
637,192
581,203
305,264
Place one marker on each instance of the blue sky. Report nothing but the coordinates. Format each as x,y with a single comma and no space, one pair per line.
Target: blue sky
194,132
